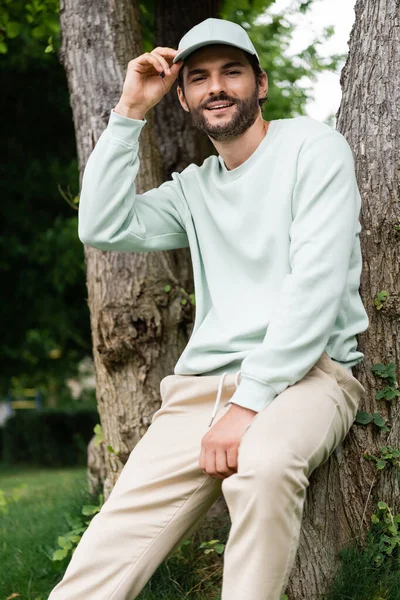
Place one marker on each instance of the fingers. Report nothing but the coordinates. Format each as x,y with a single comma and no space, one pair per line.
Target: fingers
147,59
164,64
215,463
160,62
221,464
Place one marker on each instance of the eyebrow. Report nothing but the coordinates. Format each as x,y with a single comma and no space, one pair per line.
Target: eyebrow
235,63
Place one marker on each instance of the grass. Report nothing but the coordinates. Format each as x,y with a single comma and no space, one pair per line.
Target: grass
30,526
359,579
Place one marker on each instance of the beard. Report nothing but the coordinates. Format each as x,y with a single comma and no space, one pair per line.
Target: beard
244,116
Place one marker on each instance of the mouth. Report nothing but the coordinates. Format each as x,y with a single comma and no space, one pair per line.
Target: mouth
219,108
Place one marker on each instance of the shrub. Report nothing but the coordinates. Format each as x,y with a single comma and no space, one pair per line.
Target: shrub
48,438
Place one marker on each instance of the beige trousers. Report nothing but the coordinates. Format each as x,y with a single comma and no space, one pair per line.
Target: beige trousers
162,494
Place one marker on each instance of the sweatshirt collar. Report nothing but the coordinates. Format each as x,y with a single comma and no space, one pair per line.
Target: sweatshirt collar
247,164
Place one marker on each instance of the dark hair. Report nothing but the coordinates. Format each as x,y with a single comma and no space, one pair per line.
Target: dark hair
255,65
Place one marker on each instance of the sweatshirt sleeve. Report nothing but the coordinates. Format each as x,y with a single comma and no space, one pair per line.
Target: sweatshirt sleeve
111,215
325,208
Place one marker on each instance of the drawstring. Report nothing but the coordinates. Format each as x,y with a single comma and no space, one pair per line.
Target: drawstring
220,386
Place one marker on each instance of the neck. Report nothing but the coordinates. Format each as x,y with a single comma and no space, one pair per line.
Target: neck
237,150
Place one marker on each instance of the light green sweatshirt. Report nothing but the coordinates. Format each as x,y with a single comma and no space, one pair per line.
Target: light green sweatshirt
274,245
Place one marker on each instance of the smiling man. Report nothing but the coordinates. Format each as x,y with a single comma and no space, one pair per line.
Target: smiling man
272,223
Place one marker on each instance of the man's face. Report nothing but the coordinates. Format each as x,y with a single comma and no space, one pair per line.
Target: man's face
220,74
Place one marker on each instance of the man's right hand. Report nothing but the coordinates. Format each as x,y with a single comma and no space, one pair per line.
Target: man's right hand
144,86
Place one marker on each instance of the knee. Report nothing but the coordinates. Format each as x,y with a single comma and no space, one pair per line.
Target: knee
280,469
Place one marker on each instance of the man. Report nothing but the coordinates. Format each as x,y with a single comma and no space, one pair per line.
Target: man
272,225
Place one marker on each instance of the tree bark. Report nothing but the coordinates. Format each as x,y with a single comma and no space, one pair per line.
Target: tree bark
179,141
343,493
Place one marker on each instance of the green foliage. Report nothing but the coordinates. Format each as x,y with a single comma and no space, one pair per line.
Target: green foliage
364,418
68,541
9,497
187,297
371,572
50,438
389,393
380,299
28,529
99,434
271,37
46,328
388,456
385,532
196,568
388,372
213,546
31,24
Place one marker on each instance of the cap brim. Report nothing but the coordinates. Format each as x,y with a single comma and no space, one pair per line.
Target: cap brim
186,51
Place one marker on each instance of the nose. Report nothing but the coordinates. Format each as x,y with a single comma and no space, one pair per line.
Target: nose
216,84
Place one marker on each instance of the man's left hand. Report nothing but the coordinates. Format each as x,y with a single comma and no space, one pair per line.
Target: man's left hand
219,447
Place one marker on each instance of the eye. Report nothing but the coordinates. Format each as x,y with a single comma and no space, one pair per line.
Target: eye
228,73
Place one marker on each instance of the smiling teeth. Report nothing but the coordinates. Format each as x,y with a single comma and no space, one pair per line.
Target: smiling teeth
219,106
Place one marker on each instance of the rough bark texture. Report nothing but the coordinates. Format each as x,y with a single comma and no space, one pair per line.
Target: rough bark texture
138,330
179,141
343,493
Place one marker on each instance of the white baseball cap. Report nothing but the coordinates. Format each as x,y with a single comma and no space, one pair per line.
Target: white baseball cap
214,31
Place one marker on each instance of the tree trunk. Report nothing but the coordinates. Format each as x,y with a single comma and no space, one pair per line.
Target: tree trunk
179,141
343,493
138,329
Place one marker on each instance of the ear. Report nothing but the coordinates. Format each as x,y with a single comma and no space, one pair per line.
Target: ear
263,85
182,100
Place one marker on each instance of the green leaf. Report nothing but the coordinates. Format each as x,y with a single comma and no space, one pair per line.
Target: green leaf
375,518
382,505
99,434
73,521
59,554
13,29
111,450
379,420
219,548
3,48
97,429
363,418
167,288
89,509
39,32
64,542
381,464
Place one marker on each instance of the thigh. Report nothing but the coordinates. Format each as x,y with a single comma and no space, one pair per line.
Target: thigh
308,419
160,495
